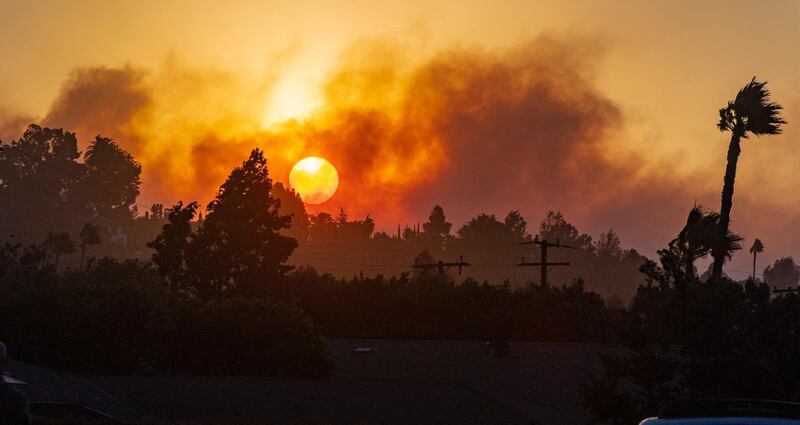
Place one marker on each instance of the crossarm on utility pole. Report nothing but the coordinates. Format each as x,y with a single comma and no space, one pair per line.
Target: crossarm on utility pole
441,265
543,264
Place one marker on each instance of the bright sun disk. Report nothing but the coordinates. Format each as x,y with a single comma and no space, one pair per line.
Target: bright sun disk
314,179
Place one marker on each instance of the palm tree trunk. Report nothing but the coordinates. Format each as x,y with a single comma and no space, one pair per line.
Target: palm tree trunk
754,264
689,264
734,149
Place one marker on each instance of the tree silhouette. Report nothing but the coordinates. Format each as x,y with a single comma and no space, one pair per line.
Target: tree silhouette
515,222
555,226
424,257
784,273
437,225
239,245
698,238
59,244
111,181
436,231
90,235
485,229
609,245
292,205
322,227
171,246
750,112
353,232
39,171
756,249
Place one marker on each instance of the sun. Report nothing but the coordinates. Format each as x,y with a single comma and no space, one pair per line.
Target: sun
314,179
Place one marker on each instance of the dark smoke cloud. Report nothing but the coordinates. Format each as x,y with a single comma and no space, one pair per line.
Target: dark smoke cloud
523,128
470,129
101,101
12,124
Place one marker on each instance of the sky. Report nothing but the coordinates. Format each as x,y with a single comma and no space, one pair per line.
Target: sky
605,110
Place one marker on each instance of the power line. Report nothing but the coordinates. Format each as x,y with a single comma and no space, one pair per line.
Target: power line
441,265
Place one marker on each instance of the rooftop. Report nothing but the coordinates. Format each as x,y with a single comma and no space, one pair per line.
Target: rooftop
376,381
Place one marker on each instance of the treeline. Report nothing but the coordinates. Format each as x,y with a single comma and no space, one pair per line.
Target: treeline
120,317
691,336
50,191
218,295
218,298
434,307
493,247
83,204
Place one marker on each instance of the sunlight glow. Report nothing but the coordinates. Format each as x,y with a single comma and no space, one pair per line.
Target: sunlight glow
292,98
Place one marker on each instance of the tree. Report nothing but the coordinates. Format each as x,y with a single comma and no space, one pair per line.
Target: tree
171,245
90,235
484,229
756,249
292,205
59,244
750,112
353,232
516,223
556,227
112,178
424,257
239,245
784,273
609,245
39,172
435,232
698,238
322,227
156,212
437,225
686,338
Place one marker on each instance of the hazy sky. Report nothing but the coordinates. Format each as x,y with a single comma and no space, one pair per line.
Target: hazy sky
649,79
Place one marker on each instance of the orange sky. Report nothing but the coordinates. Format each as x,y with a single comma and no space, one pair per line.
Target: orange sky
605,110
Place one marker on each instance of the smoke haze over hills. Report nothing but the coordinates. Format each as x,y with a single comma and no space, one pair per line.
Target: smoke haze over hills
409,122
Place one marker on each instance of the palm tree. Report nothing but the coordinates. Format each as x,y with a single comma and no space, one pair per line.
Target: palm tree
756,249
701,236
751,112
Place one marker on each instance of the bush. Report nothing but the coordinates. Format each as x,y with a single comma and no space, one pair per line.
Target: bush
118,317
240,336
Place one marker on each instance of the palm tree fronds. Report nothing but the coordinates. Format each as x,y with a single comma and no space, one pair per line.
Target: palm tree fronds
731,243
758,247
726,118
752,111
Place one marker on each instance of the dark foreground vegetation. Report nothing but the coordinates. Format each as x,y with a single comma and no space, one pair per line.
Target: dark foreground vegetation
689,338
117,317
218,298
215,292
120,317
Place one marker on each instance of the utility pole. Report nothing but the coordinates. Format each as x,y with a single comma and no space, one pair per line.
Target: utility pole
543,264
441,265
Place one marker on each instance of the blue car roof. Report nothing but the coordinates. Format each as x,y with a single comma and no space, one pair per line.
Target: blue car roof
721,421
728,412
